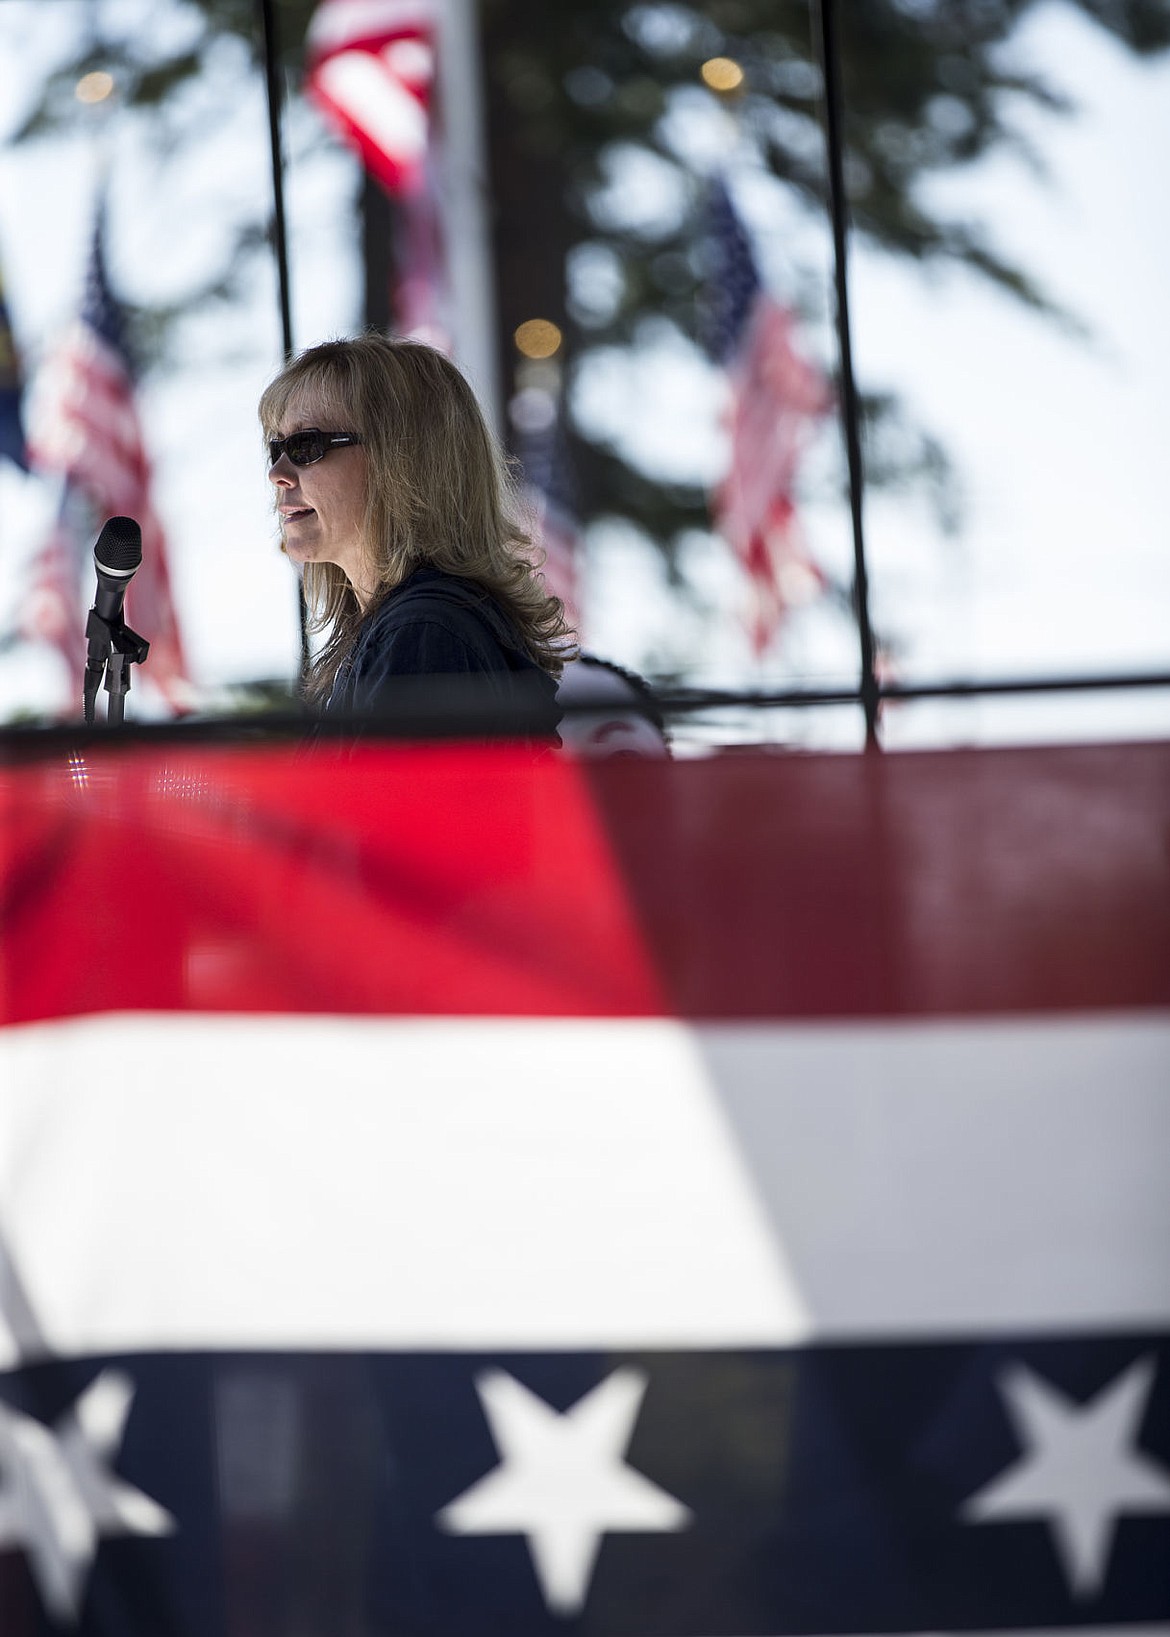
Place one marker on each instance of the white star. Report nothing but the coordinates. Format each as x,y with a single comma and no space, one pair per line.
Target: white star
1080,1468
58,1496
562,1481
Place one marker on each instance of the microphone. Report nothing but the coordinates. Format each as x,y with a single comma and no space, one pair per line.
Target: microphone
113,647
116,556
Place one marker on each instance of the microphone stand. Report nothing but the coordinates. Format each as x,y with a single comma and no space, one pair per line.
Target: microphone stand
113,648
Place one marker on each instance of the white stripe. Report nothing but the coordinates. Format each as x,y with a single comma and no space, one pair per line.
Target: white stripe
317,1182
367,92
473,1183
936,1178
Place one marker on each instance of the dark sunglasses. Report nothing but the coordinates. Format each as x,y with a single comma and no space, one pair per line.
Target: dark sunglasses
303,448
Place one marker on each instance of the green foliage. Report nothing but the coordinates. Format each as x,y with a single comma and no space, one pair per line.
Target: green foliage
929,87
161,79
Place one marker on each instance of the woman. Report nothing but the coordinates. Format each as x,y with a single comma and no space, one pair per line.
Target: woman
393,496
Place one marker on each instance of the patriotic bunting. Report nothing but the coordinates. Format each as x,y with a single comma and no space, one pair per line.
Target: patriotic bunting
726,1198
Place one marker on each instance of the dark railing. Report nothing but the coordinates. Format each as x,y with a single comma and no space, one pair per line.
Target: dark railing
688,701
455,713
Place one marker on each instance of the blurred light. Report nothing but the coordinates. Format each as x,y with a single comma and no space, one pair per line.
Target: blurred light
533,409
78,770
538,338
95,87
722,74
588,87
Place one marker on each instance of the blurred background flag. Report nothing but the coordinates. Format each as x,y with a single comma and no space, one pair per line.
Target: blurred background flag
776,397
86,429
371,69
11,424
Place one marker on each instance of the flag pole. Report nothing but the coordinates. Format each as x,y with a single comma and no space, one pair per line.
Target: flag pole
463,203
830,68
280,236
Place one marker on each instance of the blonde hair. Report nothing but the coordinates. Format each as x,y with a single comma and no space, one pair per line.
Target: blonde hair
439,493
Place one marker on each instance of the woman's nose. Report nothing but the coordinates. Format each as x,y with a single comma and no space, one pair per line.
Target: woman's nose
281,472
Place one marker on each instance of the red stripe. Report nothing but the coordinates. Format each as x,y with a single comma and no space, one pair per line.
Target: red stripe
399,880
491,881
935,884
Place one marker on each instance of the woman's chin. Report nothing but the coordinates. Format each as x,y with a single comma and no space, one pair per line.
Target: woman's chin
299,551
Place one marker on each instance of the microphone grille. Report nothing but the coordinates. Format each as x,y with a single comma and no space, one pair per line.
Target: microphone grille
119,546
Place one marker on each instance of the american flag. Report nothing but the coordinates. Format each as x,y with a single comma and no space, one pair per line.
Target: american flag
370,67
87,430
728,1199
11,423
776,397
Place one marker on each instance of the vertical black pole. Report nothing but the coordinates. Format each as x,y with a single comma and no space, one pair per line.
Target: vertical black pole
279,232
831,69
378,252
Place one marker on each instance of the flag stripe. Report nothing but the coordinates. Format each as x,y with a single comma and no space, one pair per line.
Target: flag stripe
397,880
375,107
825,1489
330,1183
370,69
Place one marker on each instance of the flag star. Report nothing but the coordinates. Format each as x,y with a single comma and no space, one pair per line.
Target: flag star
562,1481
1081,1468
58,1495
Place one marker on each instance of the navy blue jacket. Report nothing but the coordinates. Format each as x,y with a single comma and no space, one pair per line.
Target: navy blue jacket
435,624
